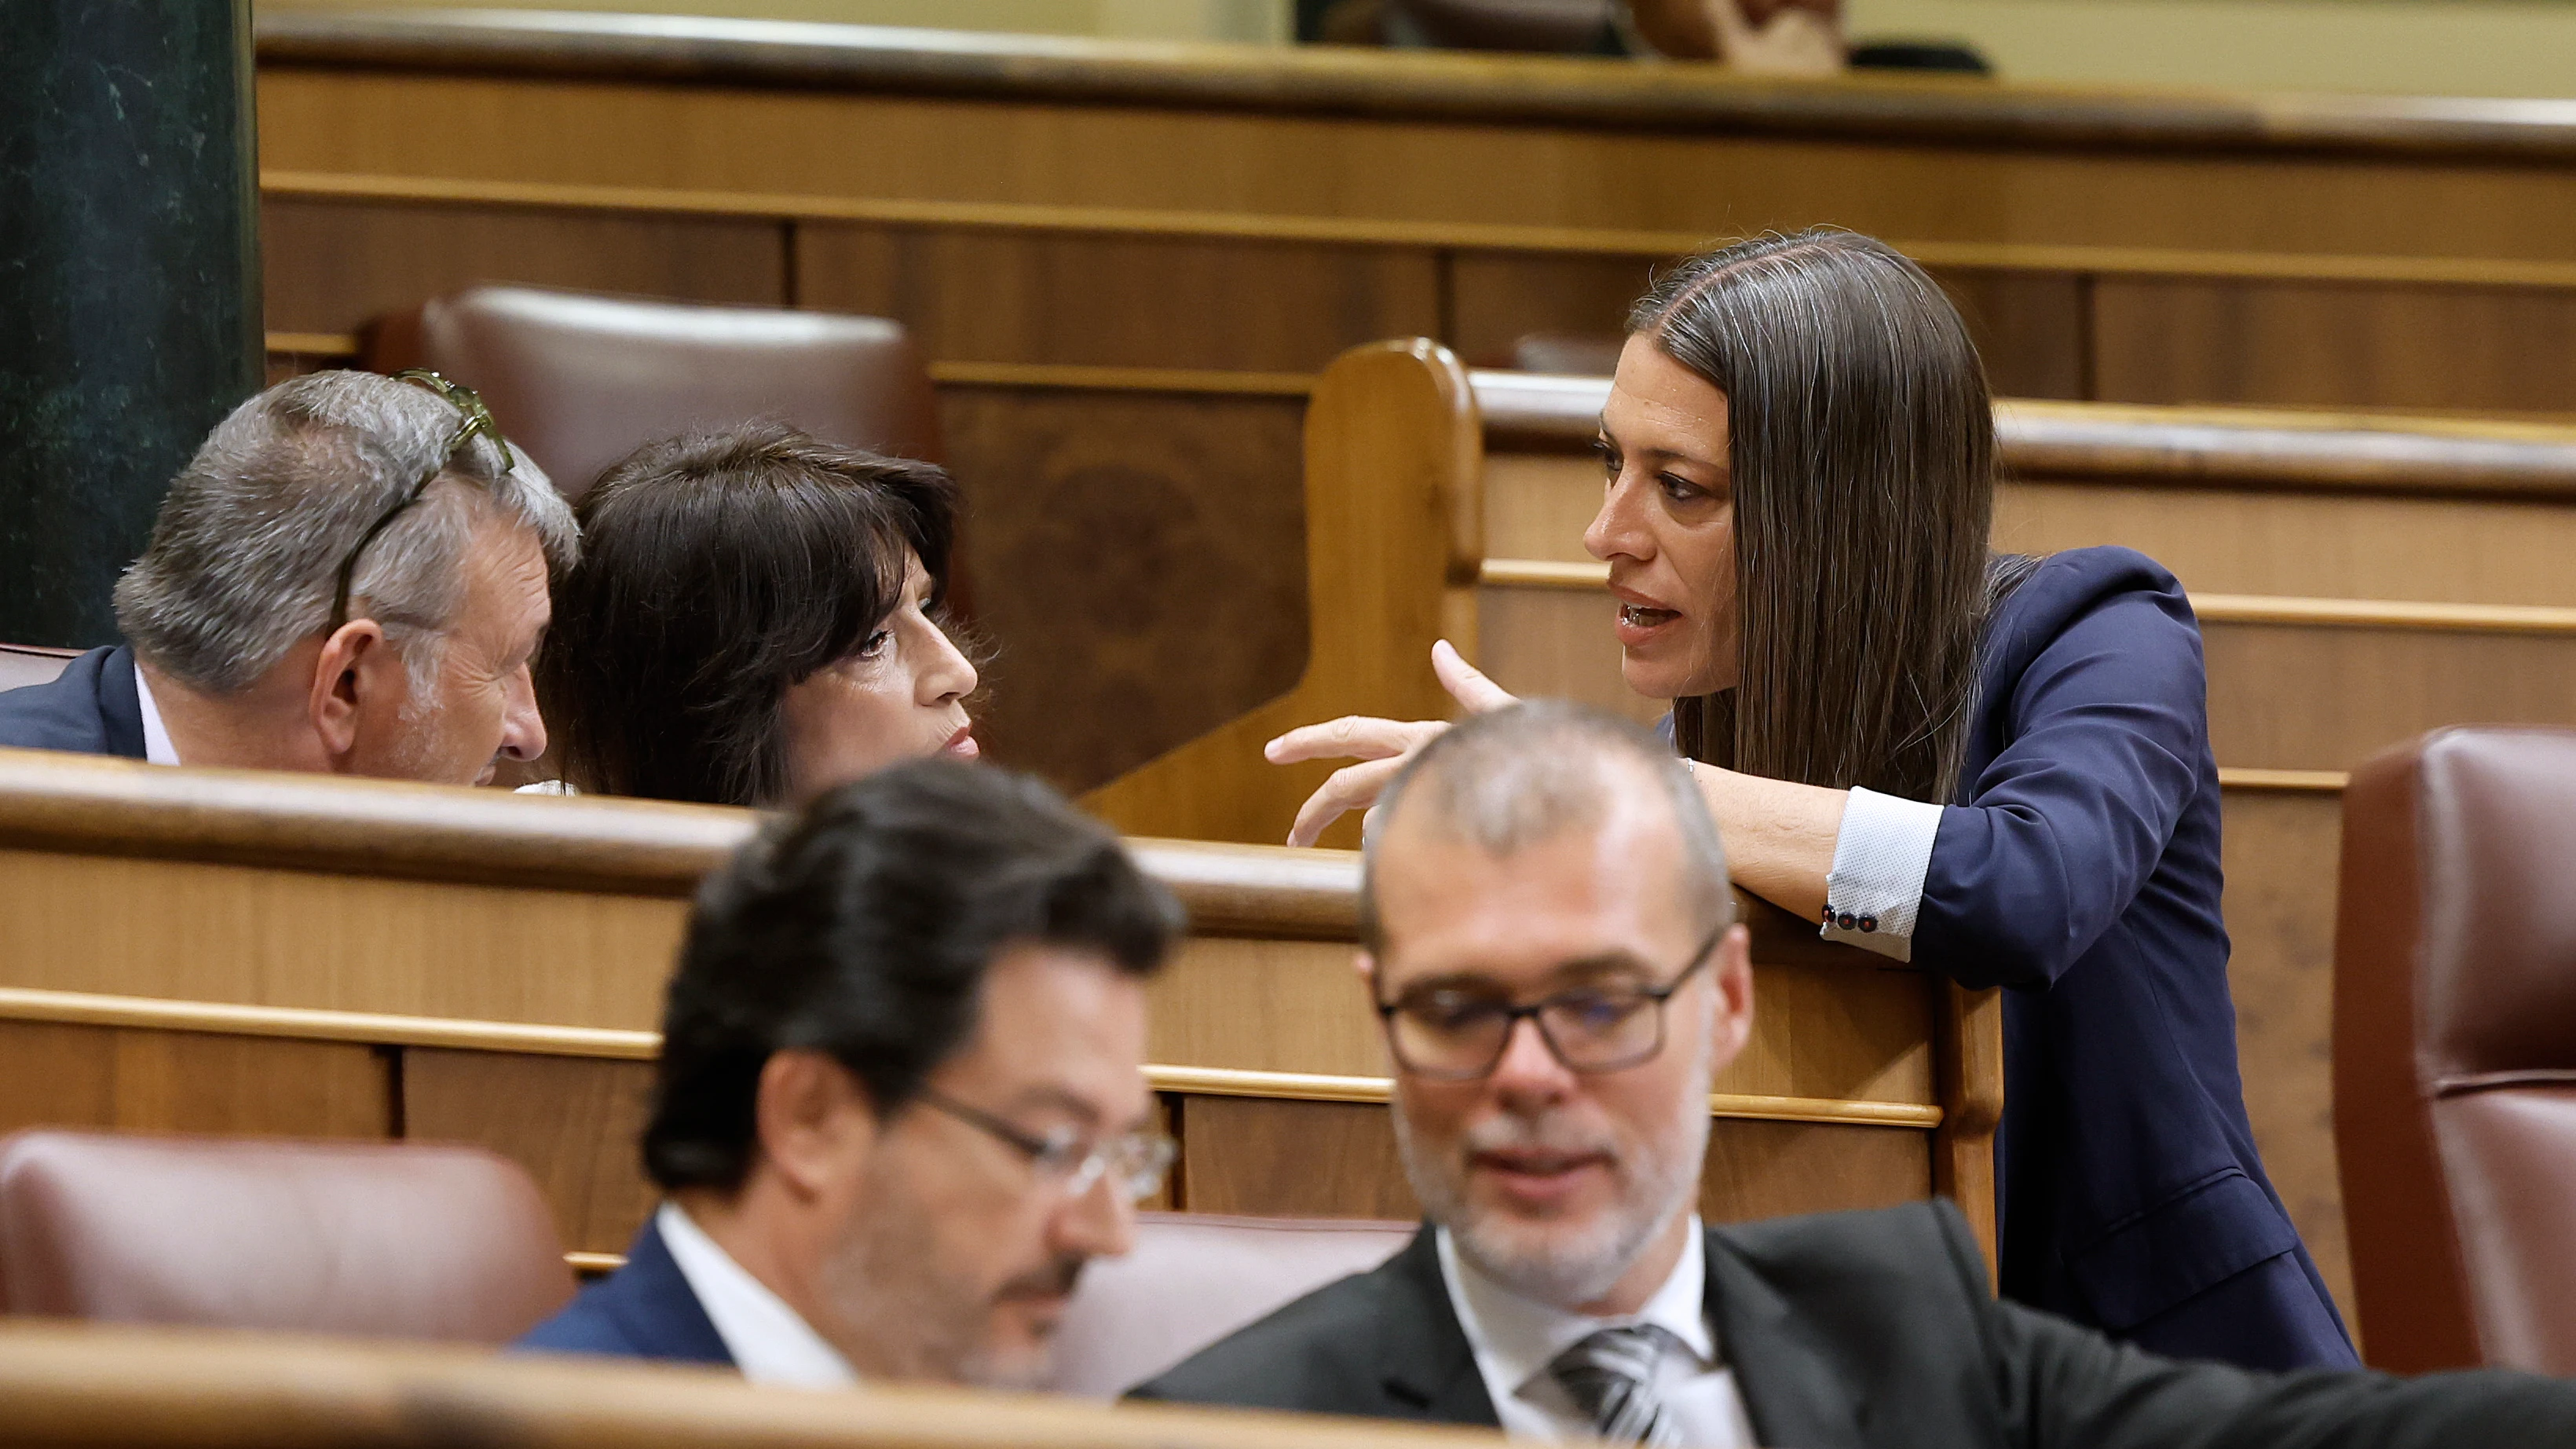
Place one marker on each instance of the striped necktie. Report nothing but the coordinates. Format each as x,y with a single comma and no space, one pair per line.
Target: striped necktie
1611,1378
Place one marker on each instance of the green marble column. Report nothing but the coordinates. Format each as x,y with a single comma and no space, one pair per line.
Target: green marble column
129,284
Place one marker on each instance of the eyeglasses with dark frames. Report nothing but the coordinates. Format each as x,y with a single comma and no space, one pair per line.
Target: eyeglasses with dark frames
475,421
1452,1033
1135,1161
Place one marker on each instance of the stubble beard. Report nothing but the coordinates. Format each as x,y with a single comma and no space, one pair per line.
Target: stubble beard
904,1317
1559,1263
900,1316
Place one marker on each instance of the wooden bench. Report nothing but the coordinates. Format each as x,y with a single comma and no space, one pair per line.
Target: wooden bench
218,951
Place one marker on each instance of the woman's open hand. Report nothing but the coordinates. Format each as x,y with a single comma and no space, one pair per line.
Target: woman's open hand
1383,745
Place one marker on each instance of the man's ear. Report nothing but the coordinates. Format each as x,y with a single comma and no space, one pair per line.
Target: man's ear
1732,974
815,1122
346,673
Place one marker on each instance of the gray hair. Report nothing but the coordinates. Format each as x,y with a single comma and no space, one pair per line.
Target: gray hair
248,544
1528,773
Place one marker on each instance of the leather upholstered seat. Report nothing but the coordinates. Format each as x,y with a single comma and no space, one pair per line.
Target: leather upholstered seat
580,380
2455,1049
1193,1279
25,664
380,1239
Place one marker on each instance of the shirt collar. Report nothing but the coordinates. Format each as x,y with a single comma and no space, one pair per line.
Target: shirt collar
157,748
1516,1338
769,1341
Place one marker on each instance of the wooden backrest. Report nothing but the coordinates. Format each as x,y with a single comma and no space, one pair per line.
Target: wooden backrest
134,1389
220,951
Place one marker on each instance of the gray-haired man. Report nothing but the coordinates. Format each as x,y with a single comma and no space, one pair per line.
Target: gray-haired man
349,578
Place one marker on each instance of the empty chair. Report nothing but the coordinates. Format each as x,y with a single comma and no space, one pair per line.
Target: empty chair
378,1239
1193,1279
579,380
2455,1049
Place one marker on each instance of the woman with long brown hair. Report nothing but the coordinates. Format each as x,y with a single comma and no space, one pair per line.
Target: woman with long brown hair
1995,767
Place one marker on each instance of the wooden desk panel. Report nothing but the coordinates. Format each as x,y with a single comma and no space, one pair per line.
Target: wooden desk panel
1139,560
236,952
1208,303
331,266
140,1080
2276,342
1339,1160
575,1123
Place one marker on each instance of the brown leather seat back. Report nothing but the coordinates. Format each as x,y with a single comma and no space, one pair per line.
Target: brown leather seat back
386,1239
1193,1279
580,380
2455,1049
25,664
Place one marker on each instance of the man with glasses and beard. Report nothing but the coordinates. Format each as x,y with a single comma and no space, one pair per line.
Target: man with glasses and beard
901,1097
1549,940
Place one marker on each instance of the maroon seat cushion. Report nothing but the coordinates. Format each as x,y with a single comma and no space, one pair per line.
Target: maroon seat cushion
387,1239
581,380
2455,1049
1193,1279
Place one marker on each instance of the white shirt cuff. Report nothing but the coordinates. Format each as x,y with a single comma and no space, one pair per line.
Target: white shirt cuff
1876,886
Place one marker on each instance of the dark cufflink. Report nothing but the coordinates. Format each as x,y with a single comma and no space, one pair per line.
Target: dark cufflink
1869,923
1844,920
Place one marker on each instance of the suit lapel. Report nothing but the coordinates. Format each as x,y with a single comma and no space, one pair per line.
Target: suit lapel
1429,1371
1795,1391
120,705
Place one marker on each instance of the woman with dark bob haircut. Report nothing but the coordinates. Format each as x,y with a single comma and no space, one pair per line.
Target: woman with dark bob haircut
1995,767
755,619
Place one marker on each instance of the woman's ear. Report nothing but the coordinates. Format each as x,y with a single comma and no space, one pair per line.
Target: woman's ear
344,679
815,1123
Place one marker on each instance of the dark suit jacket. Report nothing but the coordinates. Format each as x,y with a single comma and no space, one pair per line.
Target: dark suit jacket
1872,1331
643,1310
2080,867
91,708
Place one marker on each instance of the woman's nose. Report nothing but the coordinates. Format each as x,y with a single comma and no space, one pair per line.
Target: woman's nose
951,675
1617,529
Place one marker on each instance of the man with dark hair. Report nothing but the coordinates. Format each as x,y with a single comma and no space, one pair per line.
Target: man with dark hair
901,1097
1551,946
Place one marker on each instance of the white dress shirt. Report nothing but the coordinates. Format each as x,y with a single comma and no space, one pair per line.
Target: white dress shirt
769,1341
1516,1338
1880,859
157,748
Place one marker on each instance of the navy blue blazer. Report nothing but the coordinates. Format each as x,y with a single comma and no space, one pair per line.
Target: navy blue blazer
2080,868
91,708
643,1310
